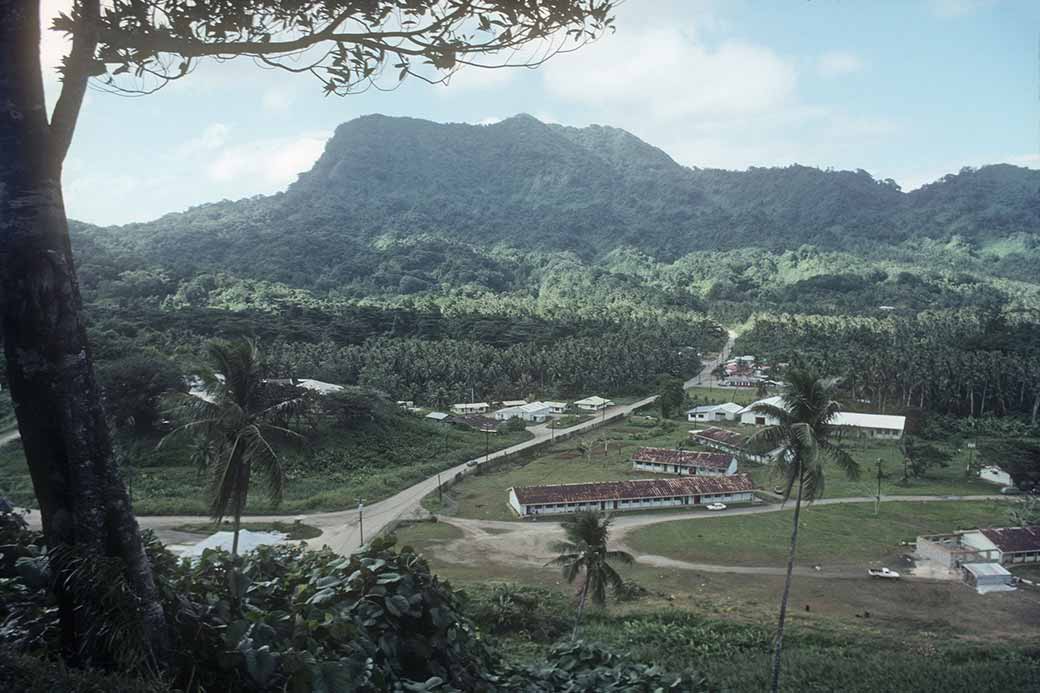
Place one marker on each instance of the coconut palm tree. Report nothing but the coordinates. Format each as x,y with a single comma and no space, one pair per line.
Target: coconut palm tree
232,422
585,552
806,438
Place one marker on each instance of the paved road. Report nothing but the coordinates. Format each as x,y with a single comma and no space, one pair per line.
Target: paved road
341,529
706,378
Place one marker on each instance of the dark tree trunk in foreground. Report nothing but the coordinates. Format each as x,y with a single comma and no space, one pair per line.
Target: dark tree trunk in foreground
83,503
778,646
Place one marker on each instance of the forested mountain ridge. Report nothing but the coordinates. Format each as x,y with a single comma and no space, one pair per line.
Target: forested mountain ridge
452,193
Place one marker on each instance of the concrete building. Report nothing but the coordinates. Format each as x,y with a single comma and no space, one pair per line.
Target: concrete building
438,416
1013,545
684,462
733,443
535,412
513,402
620,496
995,475
593,403
987,577
557,407
882,426
714,412
470,408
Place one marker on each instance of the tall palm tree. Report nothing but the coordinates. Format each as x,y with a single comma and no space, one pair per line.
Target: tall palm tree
807,438
585,552
232,422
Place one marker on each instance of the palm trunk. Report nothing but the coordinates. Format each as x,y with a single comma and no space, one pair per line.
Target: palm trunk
581,606
234,540
83,503
778,646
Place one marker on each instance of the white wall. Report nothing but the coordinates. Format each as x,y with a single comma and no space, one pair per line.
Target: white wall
750,416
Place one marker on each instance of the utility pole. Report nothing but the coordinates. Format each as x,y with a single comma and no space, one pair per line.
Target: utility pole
877,502
487,444
440,492
361,520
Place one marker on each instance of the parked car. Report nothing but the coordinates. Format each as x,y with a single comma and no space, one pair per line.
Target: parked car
883,573
716,506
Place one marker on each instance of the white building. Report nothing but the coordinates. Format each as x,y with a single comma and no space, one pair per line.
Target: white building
885,426
714,412
437,416
318,386
470,408
613,496
748,416
556,407
535,412
684,462
593,403
1008,544
514,402
995,475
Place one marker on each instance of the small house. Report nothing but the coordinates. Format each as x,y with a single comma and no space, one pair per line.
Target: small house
556,407
593,403
438,417
513,402
714,412
470,408
535,412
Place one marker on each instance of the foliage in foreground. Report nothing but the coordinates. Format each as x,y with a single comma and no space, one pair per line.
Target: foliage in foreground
292,619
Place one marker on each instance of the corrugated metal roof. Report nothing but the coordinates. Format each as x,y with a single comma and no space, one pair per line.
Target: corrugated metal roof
685,458
627,490
1014,539
721,435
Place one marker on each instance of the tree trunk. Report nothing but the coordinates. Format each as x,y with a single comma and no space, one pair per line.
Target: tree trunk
581,606
778,646
84,506
1036,407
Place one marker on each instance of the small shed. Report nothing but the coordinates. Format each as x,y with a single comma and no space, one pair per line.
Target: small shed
988,577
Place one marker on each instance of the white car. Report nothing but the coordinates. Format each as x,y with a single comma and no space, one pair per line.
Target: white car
883,573
716,506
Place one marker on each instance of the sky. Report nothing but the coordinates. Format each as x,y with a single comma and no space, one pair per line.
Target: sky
905,89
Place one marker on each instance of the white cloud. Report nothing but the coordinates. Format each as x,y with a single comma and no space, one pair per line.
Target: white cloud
53,46
276,99
957,8
212,138
471,78
273,162
835,63
670,75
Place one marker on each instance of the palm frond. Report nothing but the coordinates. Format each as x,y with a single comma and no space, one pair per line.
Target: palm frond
620,556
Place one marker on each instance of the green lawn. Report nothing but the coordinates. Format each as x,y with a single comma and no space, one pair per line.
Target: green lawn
828,535
424,536
294,531
484,496
717,395
949,481
341,467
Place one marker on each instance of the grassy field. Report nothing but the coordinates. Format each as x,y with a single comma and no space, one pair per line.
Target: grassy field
484,496
925,613
718,395
293,531
426,535
338,468
828,535
948,481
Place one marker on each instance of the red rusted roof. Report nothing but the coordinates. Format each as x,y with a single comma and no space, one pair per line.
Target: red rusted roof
627,490
1014,539
722,436
684,458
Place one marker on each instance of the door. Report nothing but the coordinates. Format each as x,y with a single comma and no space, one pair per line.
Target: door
696,500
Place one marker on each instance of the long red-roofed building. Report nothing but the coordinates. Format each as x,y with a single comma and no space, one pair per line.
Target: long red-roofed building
683,462
638,494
